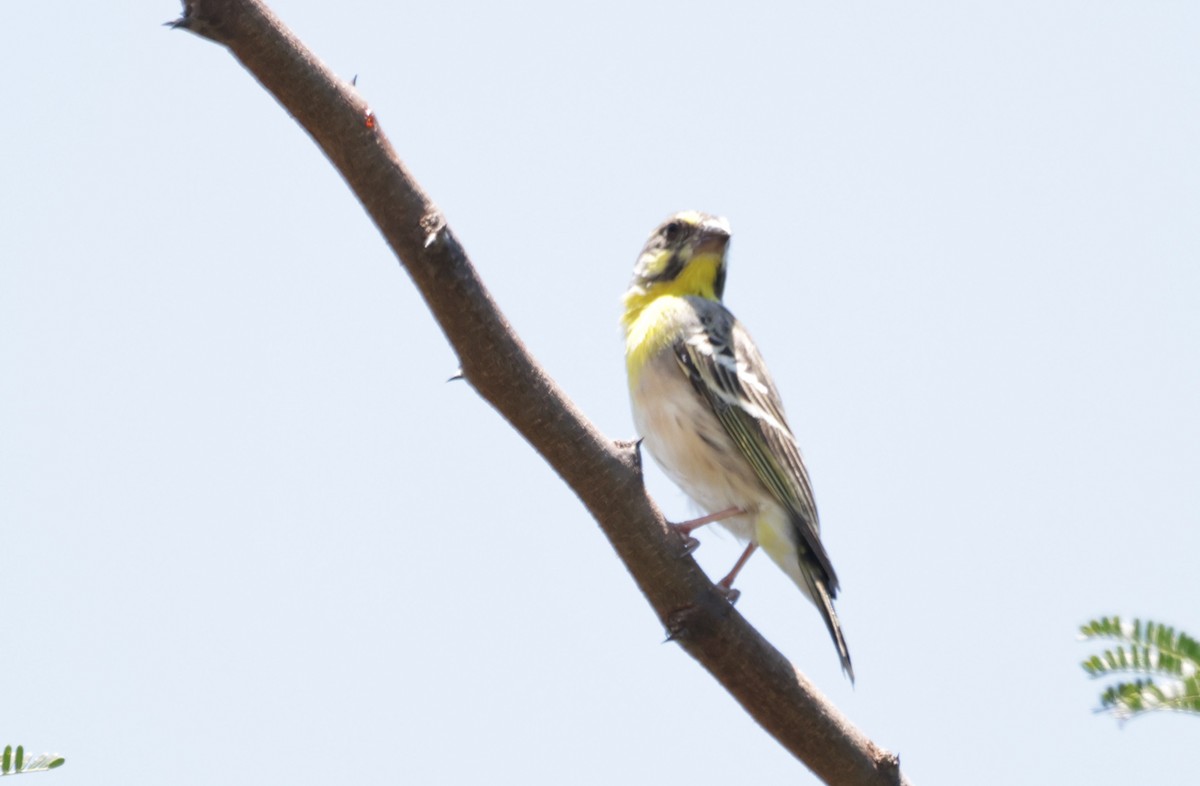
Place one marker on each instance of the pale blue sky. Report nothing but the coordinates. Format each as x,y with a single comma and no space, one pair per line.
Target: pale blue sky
251,535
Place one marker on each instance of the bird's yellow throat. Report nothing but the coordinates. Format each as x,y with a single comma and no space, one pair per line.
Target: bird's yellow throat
652,312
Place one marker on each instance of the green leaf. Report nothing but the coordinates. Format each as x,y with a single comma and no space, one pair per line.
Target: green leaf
15,763
1166,661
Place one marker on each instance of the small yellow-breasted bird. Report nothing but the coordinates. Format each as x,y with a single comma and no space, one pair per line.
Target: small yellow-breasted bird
707,410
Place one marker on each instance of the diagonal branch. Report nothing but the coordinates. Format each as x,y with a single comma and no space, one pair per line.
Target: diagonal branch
605,475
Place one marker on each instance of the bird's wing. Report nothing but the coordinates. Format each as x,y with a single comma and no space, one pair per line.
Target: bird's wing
726,369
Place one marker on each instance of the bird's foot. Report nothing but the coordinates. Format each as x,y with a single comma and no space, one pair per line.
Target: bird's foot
725,585
730,594
690,544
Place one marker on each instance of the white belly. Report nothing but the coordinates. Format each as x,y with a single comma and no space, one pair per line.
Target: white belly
686,439
689,443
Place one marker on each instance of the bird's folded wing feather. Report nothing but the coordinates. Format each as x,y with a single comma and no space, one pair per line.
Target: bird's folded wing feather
725,367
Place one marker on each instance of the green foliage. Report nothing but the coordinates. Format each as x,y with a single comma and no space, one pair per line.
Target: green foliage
1167,662
13,762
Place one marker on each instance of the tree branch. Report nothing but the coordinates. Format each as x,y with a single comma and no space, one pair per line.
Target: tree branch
605,475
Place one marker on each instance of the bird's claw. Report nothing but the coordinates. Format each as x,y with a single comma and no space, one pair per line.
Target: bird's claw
729,593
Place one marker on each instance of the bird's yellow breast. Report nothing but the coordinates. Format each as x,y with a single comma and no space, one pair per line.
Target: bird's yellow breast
654,327
659,315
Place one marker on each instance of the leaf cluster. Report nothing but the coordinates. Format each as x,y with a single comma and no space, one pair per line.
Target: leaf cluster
1166,662
13,761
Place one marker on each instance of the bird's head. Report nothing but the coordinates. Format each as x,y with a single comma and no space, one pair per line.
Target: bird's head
685,255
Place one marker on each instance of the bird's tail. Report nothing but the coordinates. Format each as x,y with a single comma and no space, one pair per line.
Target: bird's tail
814,577
824,603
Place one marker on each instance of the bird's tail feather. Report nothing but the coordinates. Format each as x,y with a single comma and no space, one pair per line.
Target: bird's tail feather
824,603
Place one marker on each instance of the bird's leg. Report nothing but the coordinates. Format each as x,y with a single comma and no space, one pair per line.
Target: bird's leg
685,528
725,585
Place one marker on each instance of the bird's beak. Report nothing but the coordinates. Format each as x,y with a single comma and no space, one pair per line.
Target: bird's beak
713,237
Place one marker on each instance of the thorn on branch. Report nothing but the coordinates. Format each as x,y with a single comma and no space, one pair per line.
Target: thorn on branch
684,622
701,617
196,23
433,224
633,449
888,763
679,622
185,18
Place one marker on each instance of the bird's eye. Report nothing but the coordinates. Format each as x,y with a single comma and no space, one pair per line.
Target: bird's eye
672,230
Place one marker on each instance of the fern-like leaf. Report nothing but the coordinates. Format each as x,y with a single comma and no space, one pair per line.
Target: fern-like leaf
13,761
1152,651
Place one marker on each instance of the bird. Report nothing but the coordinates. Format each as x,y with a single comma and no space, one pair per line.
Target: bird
709,414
